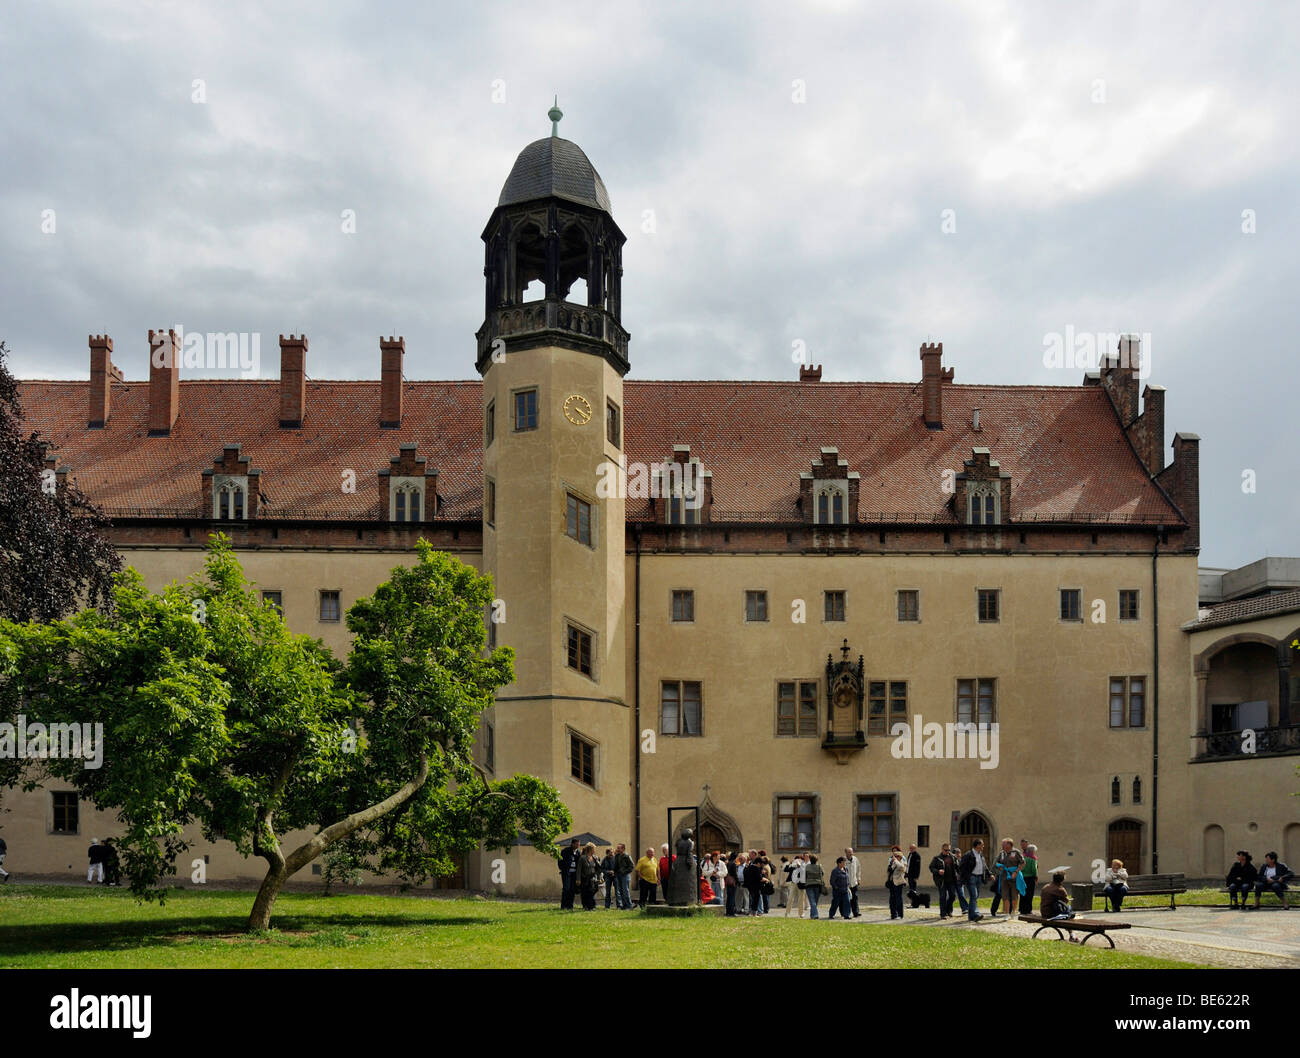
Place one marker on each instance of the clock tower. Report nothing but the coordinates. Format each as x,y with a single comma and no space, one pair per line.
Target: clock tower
552,352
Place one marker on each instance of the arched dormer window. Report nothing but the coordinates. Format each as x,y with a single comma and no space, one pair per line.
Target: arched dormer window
229,500
985,507
407,503
830,506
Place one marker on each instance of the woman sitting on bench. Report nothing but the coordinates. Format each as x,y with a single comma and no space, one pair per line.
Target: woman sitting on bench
1273,877
1116,884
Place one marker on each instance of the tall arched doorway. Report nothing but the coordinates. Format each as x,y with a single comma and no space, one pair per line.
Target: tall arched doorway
1124,842
974,825
1212,852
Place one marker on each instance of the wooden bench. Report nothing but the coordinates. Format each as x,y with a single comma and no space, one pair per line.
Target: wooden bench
1091,927
1265,893
1149,885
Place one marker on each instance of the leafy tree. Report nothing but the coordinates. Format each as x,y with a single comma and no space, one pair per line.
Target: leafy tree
215,714
52,554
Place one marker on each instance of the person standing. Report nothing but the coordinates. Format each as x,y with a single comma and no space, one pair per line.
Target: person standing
854,866
589,876
1241,879
607,871
913,871
96,856
732,883
798,880
943,869
1010,882
4,851
754,882
814,880
1116,884
623,868
971,876
569,874
742,892
112,868
787,868
1030,872
665,866
839,890
896,882
647,872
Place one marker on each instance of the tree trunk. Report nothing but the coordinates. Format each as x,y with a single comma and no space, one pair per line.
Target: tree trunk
261,916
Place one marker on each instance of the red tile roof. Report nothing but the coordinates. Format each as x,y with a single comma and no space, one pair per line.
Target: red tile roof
1065,451
1230,613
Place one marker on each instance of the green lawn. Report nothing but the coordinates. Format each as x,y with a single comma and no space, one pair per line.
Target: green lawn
63,926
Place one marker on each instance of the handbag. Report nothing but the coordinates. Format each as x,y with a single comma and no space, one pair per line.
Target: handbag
802,885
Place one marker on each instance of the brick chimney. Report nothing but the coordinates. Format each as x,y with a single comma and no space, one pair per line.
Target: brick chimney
164,381
1119,375
391,353
933,377
102,376
811,373
1182,480
293,379
1153,420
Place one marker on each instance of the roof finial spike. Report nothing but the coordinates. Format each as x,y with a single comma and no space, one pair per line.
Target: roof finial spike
555,113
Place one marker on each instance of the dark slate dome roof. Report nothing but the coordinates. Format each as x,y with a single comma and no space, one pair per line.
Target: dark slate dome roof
554,167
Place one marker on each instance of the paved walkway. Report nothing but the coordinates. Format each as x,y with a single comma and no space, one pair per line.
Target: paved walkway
1215,935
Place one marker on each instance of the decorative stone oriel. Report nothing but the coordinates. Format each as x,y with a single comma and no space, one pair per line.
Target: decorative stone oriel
845,694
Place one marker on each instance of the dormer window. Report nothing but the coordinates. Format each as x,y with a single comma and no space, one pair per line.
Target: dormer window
684,487
407,497
983,500
983,494
229,495
831,503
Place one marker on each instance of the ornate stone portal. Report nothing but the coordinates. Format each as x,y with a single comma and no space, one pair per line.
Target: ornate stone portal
845,693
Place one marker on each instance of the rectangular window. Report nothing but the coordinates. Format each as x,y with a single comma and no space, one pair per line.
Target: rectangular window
835,606
582,760
490,504
401,505
989,605
613,425
65,818
755,606
1128,605
683,606
1128,701
526,410
909,605
682,511
877,823
579,651
1070,603
490,748
491,626
680,711
796,709
490,424
329,606
922,837
577,522
796,823
977,702
886,705
274,598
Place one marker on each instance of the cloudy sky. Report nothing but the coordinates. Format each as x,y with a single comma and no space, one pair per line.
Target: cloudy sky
856,177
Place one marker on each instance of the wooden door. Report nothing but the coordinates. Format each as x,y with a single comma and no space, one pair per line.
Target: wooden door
1124,842
972,826
711,839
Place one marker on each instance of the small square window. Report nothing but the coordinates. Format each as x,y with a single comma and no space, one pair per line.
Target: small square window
65,818
526,410
989,608
1070,604
579,650
274,598
755,606
329,606
613,424
909,605
835,606
577,523
683,606
1128,605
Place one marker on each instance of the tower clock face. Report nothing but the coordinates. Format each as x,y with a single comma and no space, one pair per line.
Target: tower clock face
577,409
